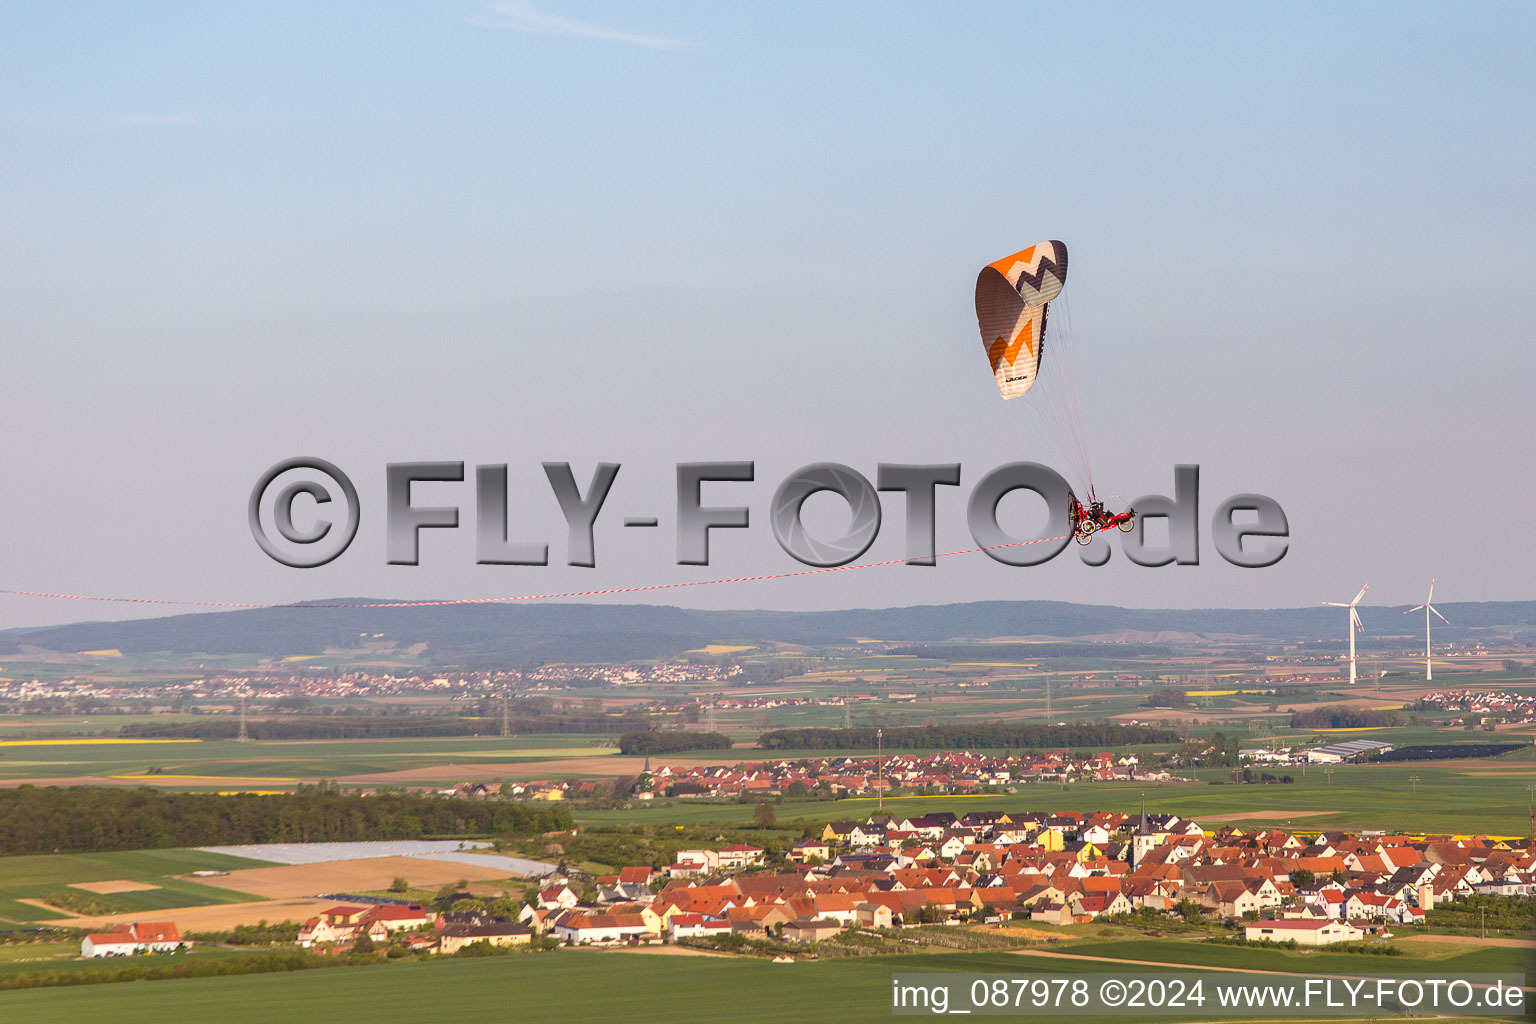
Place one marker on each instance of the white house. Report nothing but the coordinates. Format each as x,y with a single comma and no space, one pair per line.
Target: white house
709,860
1098,835
575,926
108,944
683,926
740,855
132,939
561,897
319,930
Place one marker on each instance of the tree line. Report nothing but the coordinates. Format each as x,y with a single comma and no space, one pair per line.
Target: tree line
1007,735
83,819
1345,718
672,742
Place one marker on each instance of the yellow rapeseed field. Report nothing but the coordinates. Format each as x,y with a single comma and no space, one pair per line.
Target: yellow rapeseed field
83,742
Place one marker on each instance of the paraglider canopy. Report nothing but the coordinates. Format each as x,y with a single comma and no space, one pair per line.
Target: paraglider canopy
1012,303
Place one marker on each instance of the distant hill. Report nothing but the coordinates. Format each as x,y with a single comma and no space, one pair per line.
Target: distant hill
520,635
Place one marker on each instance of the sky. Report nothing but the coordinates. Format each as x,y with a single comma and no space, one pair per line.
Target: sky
517,232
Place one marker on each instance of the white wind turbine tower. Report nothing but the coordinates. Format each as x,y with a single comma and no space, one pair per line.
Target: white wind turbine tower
1429,668
1354,624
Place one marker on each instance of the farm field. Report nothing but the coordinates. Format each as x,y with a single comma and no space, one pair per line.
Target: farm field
277,765
144,883
593,986
1425,957
372,873
210,918
32,876
222,765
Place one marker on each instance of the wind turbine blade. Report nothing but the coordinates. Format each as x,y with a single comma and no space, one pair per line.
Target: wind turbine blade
1335,604
1437,612
1418,608
1354,617
1360,595
1431,596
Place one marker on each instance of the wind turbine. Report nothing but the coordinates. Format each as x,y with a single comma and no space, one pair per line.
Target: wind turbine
1354,624
1429,668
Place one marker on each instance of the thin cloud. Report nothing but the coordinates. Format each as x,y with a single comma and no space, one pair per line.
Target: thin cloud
526,16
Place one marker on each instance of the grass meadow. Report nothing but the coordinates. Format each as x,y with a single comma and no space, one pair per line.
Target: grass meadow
557,988
30,877
279,764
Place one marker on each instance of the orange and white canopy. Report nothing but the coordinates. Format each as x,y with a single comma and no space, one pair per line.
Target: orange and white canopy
1013,296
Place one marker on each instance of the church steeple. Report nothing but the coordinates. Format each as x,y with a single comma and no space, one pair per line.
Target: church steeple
1144,839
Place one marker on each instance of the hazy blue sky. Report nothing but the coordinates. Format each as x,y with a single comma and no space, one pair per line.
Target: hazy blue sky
1301,242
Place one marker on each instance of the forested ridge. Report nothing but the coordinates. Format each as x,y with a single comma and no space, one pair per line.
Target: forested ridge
528,635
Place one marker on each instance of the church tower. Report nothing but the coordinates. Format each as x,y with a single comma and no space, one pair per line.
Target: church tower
1144,839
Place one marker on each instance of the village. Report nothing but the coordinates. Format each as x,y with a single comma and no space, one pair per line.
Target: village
890,872
941,772
329,684
1060,869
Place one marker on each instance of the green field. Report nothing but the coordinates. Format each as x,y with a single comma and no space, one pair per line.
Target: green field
24,956
556,988
1422,960
309,761
29,877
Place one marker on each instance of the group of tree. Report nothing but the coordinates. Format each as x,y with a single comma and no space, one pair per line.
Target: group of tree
1167,697
966,735
1222,750
87,819
671,742
259,934
1345,718
1486,913
1266,778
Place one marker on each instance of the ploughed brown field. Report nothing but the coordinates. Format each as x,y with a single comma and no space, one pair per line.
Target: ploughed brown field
1262,815
289,881
208,919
